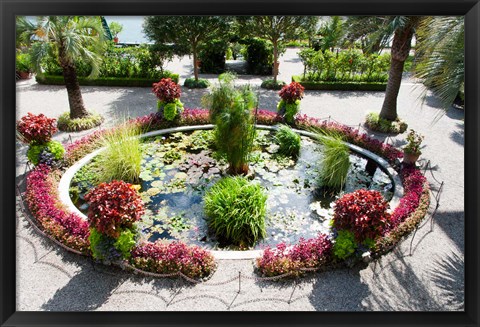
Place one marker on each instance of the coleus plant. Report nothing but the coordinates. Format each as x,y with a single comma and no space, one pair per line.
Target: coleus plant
166,90
292,92
114,207
363,212
36,128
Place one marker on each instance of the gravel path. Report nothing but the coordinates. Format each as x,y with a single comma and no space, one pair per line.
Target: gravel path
424,273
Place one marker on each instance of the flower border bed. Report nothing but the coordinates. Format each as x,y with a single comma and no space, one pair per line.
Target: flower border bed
72,231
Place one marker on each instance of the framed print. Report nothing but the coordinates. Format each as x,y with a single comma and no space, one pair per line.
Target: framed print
191,163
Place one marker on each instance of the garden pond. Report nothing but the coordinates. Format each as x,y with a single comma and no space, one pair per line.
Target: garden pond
177,169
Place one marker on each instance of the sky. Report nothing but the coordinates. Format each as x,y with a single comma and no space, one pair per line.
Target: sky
132,28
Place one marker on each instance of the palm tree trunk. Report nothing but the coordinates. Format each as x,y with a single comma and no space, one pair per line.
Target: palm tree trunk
75,100
401,46
389,107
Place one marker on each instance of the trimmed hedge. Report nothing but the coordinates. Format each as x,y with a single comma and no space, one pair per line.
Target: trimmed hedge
105,81
341,86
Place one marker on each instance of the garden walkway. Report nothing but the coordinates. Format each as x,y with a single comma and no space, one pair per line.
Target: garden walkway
423,275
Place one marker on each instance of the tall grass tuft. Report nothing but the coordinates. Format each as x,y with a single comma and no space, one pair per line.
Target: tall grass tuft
236,210
336,161
288,141
122,157
221,97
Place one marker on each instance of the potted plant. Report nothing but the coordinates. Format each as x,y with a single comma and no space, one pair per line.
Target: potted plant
411,151
23,65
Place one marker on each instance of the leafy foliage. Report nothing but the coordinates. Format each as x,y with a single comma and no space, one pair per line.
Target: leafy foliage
166,90
67,124
53,147
414,140
113,207
283,259
271,85
102,246
363,212
167,258
236,211
259,56
344,245
292,92
36,128
191,83
376,123
288,140
349,65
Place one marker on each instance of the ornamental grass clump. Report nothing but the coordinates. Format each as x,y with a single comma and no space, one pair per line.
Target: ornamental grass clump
235,210
37,132
288,141
335,162
168,94
122,157
296,259
289,104
113,209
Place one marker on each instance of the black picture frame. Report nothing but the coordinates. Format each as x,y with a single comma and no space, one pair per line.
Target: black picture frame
10,8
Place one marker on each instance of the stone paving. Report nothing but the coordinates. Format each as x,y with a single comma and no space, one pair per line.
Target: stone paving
424,273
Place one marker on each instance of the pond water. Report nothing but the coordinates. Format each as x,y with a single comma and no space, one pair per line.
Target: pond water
178,168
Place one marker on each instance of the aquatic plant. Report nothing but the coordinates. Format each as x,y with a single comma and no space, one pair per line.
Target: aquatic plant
236,211
288,140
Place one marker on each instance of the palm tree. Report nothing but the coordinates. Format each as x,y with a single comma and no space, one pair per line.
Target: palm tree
440,56
68,38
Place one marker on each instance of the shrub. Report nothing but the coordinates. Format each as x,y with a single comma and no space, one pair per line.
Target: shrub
363,212
335,162
236,211
23,62
162,258
259,56
113,207
36,128
288,140
212,57
166,90
270,84
106,81
283,259
170,110
121,160
344,245
191,83
375,123
67,124
53,147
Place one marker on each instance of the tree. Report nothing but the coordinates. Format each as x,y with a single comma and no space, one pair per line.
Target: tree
188,33
68,38
331,33
278,30
440,56
365,29
115,28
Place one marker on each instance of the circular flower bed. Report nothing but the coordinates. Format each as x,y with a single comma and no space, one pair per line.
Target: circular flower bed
195,262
